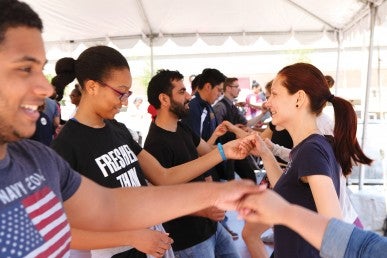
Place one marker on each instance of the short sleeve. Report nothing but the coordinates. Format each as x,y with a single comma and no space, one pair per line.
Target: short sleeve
313,160
70,180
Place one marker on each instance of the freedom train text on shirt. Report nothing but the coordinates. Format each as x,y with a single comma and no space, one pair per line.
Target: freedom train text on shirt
116,160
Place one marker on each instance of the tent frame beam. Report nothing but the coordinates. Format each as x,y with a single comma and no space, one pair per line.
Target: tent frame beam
373,13
311,14
209,34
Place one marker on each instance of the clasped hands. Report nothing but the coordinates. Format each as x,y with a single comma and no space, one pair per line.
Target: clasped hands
251,143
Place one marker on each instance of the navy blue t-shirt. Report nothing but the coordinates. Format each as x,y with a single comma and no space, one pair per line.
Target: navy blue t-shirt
34,183
313,156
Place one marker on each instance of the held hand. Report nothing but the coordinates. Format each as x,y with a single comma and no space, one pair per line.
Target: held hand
239,130
266,207
228,125
227,196
220,130
213,213
152,242
260,147
236,149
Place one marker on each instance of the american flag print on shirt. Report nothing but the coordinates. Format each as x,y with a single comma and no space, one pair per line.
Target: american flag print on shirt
36,226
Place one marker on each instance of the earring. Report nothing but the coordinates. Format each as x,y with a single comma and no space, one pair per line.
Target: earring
297,106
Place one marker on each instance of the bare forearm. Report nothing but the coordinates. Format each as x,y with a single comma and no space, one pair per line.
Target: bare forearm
272,168
185,172
124,208
141,207
310,225
240,133
89,240
256,247
212,139
251,235
149,241
270,208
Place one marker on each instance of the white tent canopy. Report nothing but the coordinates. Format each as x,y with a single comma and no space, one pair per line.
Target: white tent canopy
126,21
123,23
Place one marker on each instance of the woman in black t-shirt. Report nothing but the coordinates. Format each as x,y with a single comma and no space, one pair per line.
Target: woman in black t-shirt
103,149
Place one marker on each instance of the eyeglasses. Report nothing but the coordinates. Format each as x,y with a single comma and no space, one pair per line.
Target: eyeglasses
122,96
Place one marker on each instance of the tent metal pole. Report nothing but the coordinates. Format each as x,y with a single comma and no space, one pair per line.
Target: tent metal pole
338,35
373,10
151,54
151,36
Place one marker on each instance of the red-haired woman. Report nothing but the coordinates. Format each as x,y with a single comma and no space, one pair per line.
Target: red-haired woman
312,176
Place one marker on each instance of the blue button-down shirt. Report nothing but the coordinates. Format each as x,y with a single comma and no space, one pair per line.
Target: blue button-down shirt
345,240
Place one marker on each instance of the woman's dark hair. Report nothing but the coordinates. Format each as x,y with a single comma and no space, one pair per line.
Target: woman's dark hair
306,77
17,14
94,63
161,83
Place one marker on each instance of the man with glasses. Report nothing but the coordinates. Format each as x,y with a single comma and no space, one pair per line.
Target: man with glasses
225,109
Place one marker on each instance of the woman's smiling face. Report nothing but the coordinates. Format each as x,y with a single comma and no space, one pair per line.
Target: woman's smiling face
282,105
108,99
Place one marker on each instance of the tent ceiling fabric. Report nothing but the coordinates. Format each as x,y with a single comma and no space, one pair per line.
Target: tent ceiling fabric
186,20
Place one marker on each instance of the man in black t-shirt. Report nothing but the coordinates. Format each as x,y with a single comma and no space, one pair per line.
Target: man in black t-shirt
172,143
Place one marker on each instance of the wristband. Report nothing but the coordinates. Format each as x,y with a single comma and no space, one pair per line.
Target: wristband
221,152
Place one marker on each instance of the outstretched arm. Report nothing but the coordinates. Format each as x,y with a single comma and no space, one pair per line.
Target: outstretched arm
148,241
269,208
219,131
158,175
124,208
334,238
239,132
272,167
212,213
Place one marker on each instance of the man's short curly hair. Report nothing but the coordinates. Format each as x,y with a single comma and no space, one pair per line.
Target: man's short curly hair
17,14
